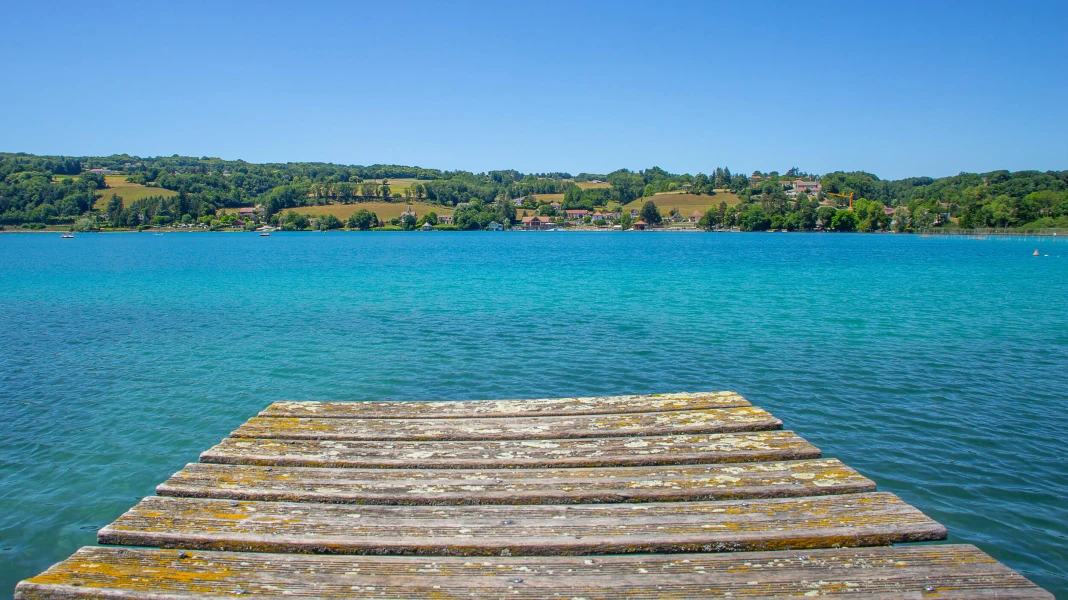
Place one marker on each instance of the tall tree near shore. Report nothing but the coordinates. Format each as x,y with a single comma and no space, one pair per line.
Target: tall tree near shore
651,214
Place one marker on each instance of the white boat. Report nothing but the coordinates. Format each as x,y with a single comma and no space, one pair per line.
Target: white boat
68,235
265,234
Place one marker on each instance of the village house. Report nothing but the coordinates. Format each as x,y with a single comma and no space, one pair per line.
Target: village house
614,216
695,216
409,211
101,171
577,214
640,226
597,216
495,226
810,187
519,201
427,227
634,213
537,222
445,219
555,205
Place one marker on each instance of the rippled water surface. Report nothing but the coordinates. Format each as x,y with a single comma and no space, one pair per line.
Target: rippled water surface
939,368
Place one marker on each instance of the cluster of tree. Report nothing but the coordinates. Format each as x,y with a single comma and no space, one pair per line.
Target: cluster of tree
292,220
979,200
158,210
29,192
804,214
766,212
478,215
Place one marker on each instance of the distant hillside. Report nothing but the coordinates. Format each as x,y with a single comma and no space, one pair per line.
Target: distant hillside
57,190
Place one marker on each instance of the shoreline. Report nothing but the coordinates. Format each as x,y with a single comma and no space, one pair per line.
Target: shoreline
938,234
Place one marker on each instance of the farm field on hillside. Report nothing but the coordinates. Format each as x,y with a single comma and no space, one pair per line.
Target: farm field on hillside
550,198
686,203
129,192
384,210
587,185
400,184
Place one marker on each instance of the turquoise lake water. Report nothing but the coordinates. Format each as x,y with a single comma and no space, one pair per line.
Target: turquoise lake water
936,367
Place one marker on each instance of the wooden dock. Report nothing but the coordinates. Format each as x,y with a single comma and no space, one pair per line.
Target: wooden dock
658,496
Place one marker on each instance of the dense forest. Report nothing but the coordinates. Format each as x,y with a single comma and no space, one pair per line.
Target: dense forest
36,191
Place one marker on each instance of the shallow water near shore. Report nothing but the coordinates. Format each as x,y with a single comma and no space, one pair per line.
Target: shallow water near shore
936,367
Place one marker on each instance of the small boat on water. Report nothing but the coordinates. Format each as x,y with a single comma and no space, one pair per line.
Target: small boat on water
265,234
1036,252
70,234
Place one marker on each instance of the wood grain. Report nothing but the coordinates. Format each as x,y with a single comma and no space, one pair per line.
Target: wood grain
503,454
517,486
544,407
775,524
720,420
920,572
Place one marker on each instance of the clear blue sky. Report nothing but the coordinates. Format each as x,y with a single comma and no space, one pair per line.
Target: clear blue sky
897,89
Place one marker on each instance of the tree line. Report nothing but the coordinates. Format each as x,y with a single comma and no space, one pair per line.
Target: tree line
36,190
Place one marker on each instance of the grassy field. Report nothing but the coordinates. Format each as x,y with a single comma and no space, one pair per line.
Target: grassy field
550,198
398,185
128,191
384,210
686,203
587,185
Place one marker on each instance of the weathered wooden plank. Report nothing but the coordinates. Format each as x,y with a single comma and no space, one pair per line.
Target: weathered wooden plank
927,571
720,420
517,486
775,524
497,454
541,407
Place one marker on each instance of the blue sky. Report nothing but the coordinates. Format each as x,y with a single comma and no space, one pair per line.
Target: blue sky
897,89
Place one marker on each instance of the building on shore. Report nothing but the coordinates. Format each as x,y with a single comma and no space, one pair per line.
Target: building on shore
537,222
576,215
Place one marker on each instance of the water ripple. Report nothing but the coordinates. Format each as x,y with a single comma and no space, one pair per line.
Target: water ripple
935,367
